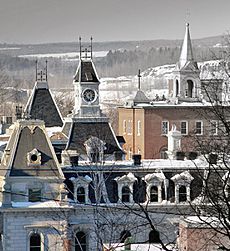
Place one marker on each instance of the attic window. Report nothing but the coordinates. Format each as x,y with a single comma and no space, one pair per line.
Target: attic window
34,158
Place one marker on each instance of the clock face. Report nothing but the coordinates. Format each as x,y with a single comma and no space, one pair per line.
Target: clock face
89,95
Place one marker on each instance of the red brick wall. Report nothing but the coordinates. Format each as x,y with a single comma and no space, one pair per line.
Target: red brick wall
203,239
151,140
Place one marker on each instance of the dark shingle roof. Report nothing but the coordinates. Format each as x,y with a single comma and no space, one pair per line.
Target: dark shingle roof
87,71
82,131
41,105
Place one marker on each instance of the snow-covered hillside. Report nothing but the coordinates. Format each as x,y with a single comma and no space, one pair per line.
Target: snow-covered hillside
154,81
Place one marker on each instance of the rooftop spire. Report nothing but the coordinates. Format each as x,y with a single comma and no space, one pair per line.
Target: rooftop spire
186,51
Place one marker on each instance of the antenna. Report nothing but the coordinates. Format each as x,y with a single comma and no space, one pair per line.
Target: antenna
91,47
36,69
80,45
139,79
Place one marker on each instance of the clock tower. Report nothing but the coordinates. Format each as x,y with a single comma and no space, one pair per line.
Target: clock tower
90,135
86,85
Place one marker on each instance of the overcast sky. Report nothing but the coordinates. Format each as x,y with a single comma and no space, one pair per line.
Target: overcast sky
40,21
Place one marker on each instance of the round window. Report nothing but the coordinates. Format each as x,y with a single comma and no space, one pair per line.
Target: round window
34,157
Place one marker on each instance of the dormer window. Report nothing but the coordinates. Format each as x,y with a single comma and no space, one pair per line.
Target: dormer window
125,187
95,149
81,195
154,194
182,186
34,157
81,188
154,182
182,194
125,194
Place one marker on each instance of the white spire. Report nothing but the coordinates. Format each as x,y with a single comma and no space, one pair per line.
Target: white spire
186,51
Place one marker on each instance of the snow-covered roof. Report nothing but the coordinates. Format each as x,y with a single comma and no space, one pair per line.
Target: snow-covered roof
45,204
156,164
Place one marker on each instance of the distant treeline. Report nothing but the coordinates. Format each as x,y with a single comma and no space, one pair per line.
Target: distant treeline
116,63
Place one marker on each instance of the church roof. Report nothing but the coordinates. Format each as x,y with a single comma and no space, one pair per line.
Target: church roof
29,152
41,105
81,131
86,72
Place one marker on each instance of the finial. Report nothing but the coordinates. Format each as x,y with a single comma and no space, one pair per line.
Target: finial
139,79
91,47
46,70
80,46
187,24
36,69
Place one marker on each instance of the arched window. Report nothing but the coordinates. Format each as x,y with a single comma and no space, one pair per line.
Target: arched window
182,194
80,241
81,195
124,235
125,194
35,242
190,88
153,194
154,236
177,88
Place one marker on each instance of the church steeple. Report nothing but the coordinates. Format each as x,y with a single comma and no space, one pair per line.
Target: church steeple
186,51
185,85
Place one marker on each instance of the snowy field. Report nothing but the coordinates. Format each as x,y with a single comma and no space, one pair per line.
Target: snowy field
66,56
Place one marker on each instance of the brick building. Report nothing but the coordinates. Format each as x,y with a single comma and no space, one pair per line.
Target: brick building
145,124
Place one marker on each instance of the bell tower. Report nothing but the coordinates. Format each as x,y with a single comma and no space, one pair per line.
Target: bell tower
186,85
86,85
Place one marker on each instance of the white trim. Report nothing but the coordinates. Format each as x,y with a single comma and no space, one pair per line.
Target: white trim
184,121
124,126
202,127
138,128
164,121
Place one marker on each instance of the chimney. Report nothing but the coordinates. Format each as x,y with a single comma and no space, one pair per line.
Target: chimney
136,159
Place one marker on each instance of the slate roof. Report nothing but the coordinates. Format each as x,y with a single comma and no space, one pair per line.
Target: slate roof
86,72
82,131
27,136
41,105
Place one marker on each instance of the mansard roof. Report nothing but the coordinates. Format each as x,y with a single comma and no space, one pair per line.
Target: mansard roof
41,105
81,131
28,138
86,72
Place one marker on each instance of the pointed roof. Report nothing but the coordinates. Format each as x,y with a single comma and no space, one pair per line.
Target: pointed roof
29,152
186,56
86,72
41,105
140,97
